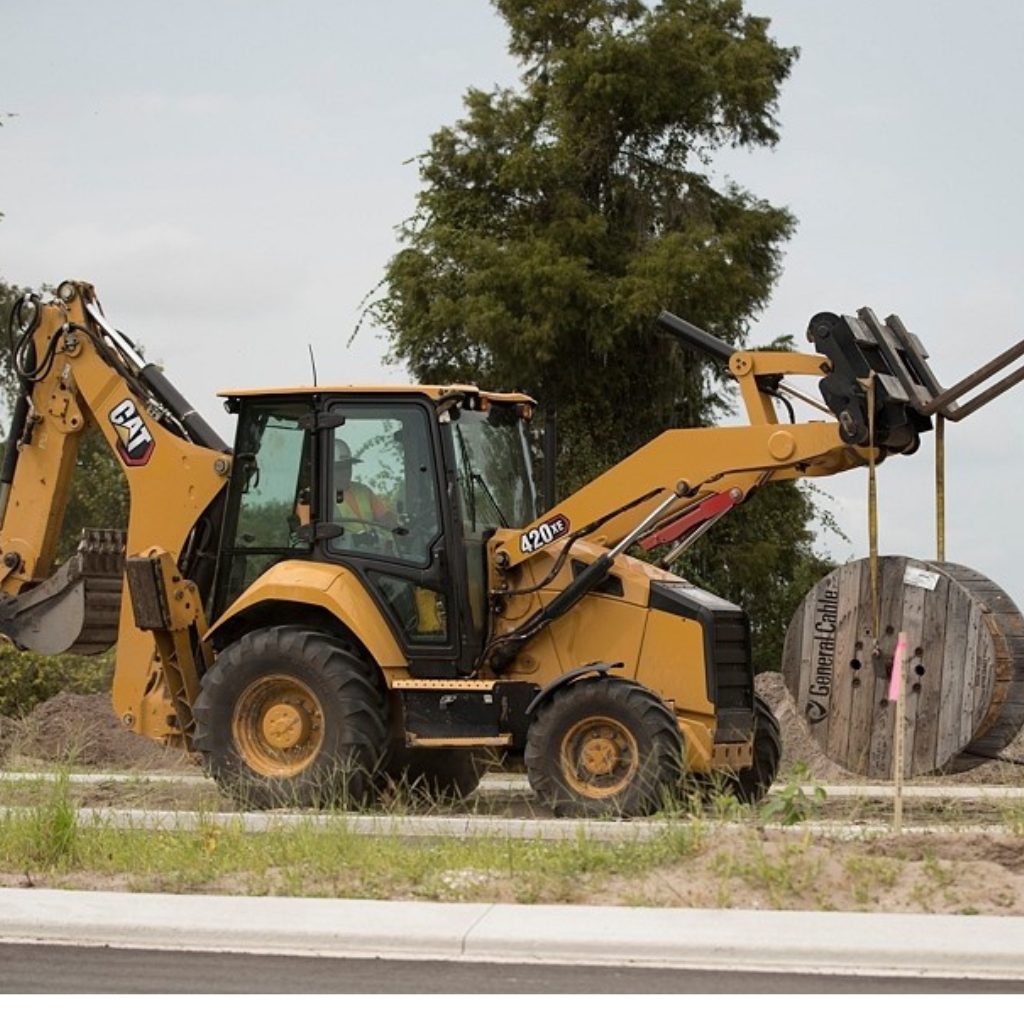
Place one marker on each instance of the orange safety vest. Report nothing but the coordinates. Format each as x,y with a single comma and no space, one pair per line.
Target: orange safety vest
359,502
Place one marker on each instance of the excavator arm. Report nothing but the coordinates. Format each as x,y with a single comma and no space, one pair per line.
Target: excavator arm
76,371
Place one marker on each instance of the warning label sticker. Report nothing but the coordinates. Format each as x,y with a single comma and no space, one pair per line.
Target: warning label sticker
915,577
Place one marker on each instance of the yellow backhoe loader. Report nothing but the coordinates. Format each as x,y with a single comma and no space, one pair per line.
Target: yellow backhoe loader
362,587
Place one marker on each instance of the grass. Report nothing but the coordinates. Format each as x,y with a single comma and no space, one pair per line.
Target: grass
714,853
871,874
52,836
51,848
1013,817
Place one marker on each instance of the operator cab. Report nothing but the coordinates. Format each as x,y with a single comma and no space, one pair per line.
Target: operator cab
402,486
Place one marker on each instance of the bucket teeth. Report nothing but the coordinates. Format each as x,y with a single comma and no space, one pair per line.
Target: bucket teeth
101,553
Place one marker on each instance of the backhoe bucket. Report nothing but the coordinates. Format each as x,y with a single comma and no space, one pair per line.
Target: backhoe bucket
76,610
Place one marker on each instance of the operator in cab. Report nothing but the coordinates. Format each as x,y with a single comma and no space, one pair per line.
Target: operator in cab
356,501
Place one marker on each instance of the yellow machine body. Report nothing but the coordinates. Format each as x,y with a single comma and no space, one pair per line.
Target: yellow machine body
465,627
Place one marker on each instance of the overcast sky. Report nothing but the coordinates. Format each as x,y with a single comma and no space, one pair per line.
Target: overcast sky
230,174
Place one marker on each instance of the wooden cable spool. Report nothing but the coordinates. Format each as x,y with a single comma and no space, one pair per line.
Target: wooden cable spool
964,697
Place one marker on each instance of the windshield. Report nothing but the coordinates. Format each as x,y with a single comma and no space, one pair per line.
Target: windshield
493,465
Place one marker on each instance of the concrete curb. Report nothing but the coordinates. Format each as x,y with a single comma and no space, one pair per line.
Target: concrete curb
517,785
850,944
423,826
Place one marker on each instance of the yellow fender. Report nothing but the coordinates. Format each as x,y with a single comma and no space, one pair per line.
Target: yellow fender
330,588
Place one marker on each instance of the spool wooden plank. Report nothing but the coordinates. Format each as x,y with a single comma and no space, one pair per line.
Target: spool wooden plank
1005,716
893,600
847,646
807,668
964,697
970,697
948,744
926,663
861,679
913,625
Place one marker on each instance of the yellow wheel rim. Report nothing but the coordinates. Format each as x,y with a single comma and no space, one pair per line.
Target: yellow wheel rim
600,757
278,726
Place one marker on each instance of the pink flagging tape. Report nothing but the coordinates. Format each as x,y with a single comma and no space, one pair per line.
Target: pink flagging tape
896,681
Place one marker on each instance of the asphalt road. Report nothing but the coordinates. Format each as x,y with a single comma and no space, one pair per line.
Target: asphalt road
34,968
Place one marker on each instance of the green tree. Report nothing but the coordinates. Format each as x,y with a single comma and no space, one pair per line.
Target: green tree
558,218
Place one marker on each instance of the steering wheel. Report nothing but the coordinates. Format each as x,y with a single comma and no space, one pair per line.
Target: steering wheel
358,539
366,522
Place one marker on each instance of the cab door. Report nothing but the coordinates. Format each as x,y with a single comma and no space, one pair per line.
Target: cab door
383,495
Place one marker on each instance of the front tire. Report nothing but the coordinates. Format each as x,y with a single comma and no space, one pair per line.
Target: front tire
291,717
604,748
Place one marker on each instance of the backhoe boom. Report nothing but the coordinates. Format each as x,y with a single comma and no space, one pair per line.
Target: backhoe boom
78,372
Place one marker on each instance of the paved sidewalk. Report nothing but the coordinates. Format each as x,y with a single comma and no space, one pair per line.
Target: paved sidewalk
891,944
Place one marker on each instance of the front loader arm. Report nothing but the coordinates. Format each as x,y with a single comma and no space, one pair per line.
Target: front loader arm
696,464
878,390
879,395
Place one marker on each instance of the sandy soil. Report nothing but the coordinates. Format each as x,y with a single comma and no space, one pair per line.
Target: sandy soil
754,869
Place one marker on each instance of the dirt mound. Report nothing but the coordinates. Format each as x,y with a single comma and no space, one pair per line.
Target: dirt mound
82,729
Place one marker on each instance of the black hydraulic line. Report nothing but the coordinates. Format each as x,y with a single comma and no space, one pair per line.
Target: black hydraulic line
571,539
10,463
22,405
23,350
191,421
789,406
554,571
592,576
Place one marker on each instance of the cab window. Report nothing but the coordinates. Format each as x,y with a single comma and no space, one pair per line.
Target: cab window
270,491
383,487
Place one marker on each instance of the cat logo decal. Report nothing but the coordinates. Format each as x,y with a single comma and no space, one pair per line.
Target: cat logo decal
135,443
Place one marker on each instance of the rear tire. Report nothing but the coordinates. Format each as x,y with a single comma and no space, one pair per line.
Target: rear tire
604,748
288,717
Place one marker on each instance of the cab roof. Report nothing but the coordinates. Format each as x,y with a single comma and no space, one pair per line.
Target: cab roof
435,392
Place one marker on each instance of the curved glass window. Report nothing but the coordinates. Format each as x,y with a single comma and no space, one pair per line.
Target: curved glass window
493,465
